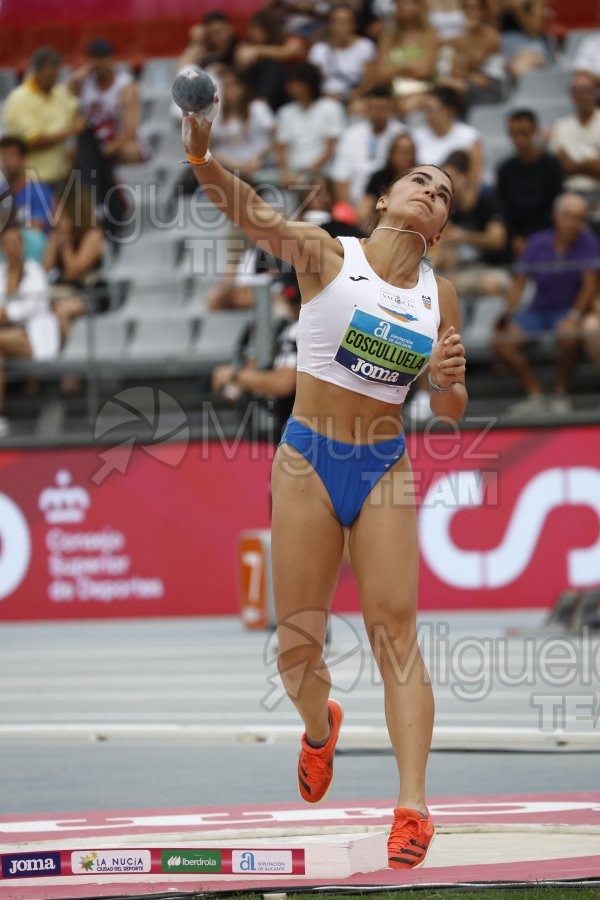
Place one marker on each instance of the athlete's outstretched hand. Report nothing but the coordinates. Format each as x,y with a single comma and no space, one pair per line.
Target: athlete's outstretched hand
447,362
194,134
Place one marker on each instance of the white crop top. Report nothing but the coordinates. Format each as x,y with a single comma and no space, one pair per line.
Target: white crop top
366,335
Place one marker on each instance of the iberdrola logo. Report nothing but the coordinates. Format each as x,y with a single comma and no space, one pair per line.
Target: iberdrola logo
88,862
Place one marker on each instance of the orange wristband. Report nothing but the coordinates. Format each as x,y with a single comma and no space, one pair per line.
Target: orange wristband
200,160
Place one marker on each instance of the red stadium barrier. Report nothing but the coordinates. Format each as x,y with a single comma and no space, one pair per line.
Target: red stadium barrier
507,519
141,30
138,30
568,15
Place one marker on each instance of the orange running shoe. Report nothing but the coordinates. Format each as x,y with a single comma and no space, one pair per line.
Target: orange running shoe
315,766
410,838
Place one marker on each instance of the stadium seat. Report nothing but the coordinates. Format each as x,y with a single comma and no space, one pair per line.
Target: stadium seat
64,73
490,120
154,300
170,153
196,215
157,109
541,87
135,174
157,76
548,114
478,331
495,153
218,337
163,338
99,337
8,81
573,41
146,259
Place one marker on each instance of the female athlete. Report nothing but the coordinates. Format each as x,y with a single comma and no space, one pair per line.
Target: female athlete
373,316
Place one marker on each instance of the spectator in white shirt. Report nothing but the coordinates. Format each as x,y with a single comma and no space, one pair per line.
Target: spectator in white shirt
587,57
575,139
343,55
448,19
443,134
29,329
110,101
242,133
364,147
308,128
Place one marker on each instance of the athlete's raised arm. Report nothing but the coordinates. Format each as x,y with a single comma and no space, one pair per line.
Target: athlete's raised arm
299,243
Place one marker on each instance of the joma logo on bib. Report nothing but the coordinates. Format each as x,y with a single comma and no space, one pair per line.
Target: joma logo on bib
376,373
382,351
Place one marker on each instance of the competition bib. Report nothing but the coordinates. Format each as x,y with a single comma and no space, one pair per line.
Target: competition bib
381,351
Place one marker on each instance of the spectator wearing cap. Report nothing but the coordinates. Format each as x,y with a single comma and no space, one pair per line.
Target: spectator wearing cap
44,115
111,105
364,146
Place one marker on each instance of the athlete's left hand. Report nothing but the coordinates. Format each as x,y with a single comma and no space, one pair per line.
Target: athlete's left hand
447,363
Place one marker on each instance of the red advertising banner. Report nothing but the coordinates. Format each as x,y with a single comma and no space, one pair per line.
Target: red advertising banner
507,518
189,860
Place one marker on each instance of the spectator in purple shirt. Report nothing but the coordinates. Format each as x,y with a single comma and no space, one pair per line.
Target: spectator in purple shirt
561,261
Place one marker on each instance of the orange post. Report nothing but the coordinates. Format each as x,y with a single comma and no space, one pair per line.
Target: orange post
256,589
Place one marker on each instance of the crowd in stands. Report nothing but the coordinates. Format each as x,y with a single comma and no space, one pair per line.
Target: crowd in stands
328,103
